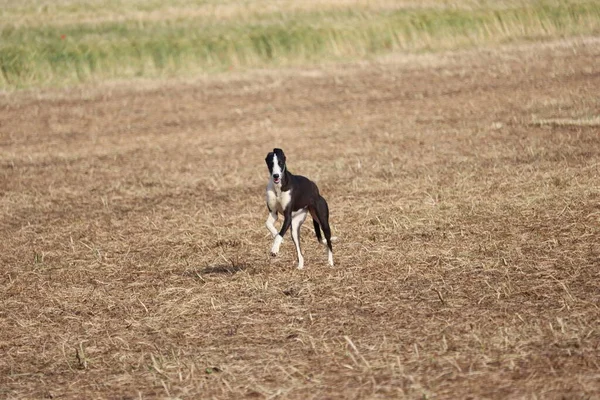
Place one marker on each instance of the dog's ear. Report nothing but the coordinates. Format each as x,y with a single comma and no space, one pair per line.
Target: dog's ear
280,154
269,157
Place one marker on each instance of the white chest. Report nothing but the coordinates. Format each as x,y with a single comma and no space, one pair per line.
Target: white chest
278,200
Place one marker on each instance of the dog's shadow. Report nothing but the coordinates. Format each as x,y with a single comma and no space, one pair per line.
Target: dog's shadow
223,269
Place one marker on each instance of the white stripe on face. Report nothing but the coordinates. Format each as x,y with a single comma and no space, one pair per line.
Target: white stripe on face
276,168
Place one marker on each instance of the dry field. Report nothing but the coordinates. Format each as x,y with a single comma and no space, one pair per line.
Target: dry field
464,188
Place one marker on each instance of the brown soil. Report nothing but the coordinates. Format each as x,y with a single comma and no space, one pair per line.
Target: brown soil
464,188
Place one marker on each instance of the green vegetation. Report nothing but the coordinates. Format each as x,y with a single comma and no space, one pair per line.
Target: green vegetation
53,53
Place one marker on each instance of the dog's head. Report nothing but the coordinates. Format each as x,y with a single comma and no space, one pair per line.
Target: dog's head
276,162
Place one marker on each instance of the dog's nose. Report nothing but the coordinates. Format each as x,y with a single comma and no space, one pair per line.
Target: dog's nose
275,176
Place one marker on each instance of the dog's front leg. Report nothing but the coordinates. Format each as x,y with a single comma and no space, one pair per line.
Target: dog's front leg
271,223
287,221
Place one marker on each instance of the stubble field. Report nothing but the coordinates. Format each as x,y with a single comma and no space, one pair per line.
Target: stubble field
463,187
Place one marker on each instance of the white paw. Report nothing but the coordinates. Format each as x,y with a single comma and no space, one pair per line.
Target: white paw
276,244
301,265
274,251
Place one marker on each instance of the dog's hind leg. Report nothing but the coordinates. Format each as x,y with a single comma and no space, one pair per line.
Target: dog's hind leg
322,211
327,233
297,220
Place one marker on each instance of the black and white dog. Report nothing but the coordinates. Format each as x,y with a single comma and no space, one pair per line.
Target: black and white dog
294,196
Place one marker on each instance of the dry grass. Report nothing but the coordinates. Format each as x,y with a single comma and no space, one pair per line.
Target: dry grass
134,254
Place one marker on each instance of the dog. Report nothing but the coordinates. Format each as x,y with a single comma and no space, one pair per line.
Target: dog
294,196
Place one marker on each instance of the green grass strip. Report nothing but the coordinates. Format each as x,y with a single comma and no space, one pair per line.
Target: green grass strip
63,55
